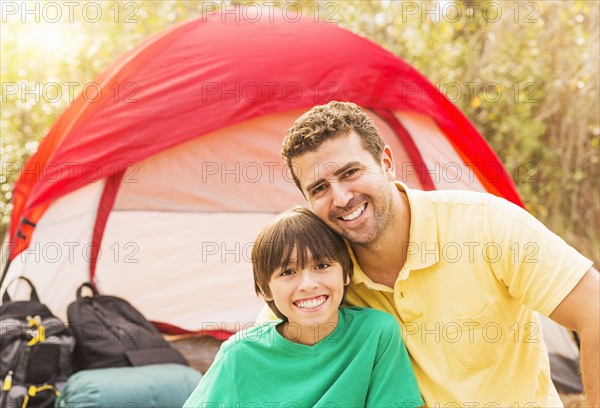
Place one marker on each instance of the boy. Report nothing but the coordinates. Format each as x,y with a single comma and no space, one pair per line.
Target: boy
317,355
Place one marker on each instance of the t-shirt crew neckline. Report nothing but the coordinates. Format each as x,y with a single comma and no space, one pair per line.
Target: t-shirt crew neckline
316,348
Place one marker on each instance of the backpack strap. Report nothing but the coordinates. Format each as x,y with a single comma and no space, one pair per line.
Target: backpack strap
32,296
88,285
33,390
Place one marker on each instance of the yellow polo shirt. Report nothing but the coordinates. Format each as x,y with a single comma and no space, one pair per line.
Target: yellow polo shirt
477,268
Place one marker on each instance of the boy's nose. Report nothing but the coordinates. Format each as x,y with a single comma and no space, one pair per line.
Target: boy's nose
308,281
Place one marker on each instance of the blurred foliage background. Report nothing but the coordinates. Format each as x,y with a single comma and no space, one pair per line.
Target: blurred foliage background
525,73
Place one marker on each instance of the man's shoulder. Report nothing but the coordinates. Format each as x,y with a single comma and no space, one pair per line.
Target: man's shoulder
449,196
493,209
456,202
458,197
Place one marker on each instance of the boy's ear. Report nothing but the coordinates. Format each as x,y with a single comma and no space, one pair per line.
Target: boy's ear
347,281
266,297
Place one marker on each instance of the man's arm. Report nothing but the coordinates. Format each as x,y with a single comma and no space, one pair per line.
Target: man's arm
580,311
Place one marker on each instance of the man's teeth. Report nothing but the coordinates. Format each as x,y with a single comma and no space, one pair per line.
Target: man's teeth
311,303
355,214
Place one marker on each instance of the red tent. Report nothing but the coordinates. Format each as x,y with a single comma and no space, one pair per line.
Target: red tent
156,182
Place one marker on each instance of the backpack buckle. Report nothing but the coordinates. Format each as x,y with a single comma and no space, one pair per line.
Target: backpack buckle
38,333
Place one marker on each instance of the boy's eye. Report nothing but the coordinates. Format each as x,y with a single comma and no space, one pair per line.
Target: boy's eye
322,266
287,272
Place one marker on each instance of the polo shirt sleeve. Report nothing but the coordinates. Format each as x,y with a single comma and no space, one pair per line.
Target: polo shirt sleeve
393,382
536,265
217,388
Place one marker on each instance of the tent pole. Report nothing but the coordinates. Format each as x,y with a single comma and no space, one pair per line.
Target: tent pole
5,272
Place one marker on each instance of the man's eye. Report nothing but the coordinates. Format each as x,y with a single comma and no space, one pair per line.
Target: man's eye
322,266
350,172
318,189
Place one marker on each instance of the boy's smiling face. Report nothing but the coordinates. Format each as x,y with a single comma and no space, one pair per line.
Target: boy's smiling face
309,296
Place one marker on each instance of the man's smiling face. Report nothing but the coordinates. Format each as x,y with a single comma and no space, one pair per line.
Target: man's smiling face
347,188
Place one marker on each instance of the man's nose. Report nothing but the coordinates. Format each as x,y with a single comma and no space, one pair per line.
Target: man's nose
341,194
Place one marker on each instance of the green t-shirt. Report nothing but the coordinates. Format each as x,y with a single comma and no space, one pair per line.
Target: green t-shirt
362,363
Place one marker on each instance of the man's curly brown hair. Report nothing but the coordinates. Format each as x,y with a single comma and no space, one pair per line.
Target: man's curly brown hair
324,122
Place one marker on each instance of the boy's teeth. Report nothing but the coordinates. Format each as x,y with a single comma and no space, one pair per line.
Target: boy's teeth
355,214
311,303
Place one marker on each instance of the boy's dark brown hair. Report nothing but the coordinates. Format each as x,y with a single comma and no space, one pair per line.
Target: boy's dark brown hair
296,229
324,122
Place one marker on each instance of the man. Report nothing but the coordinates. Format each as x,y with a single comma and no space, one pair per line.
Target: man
463,272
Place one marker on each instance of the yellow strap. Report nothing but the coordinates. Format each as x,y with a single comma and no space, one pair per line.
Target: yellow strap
40,334
7,381
33,390
42,388
26,399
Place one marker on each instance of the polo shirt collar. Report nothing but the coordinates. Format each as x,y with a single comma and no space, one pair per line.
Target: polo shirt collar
358,276
423,248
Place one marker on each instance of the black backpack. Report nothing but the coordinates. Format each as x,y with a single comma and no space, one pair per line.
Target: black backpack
109,332
36,352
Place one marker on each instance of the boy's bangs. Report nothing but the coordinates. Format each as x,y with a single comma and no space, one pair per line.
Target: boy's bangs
310,245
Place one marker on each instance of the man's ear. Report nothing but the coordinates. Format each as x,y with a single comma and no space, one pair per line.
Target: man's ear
387,163
291,168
